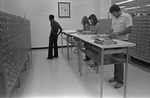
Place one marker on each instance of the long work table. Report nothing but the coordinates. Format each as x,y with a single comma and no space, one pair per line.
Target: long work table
68,38
101,54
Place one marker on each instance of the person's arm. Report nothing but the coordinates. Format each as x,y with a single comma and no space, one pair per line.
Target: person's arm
92,31
87,27
60,30
95,29
124,32
127,30
52,26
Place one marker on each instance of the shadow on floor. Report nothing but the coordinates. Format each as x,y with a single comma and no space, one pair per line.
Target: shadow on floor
141,64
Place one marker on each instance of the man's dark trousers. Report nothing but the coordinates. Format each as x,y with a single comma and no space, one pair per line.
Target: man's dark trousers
119,69
53,43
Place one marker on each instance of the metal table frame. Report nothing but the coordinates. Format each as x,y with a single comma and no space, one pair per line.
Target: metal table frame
124,48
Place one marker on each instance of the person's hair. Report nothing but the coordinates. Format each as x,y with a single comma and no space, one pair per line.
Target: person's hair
51,17
114,8
85,20
94,18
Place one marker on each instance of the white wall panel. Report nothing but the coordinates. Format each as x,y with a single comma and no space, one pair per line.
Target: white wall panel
37,11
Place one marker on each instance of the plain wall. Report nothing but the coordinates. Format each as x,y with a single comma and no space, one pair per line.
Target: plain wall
104,9
37,11
0,5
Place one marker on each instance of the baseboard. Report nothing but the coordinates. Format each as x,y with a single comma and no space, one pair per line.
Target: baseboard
36,48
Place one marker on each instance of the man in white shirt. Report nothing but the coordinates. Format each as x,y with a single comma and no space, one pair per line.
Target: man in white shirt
121,27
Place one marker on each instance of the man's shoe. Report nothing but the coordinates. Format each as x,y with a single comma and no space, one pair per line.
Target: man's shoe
55,56
113,80
86,59
49,58
118,85
92,65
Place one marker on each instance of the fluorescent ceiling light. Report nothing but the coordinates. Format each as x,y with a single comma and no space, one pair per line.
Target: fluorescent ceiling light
122,7
148,5
124,2
131,8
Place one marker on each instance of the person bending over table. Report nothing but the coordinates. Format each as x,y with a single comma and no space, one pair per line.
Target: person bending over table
94,28
121,27
86,27
56,29
86,24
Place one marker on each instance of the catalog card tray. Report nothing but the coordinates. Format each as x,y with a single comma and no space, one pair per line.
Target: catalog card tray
104,41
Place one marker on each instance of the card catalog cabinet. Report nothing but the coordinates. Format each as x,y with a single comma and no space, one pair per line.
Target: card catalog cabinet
141,36
105,26
15,45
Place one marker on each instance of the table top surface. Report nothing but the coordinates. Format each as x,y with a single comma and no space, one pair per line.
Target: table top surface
69,31
89,39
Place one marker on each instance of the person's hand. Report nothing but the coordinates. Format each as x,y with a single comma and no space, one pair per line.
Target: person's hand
79,33
103,35
58,34
80,30
83,32
112,35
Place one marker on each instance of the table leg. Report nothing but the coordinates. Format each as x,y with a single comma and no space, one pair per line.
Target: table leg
71,43
79,57
126,73
68,46
97,67
101,73
61,42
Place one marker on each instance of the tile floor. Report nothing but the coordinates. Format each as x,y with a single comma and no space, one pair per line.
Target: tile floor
59,78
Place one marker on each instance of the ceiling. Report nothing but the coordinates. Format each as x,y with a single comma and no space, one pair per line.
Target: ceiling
140,3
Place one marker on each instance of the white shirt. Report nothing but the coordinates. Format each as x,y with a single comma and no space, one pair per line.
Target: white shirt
120,24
